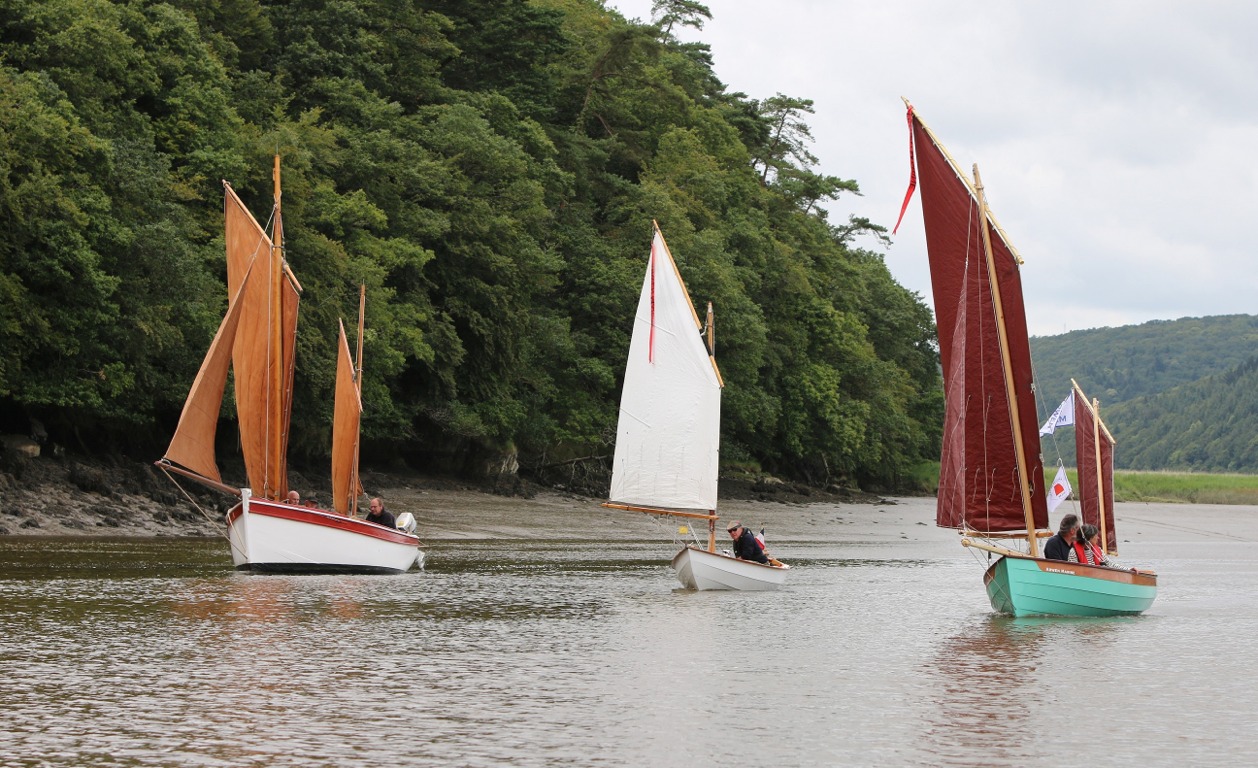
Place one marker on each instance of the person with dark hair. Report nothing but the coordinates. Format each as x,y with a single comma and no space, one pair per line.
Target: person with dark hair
1059,547
1087,547
745,545
379,515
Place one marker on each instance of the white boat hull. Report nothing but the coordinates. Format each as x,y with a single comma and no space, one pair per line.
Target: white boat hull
280,538
703,570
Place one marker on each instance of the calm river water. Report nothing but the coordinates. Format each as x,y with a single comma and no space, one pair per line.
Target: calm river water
881,651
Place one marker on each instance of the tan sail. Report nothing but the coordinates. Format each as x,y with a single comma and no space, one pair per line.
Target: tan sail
262,357
347,416
192,445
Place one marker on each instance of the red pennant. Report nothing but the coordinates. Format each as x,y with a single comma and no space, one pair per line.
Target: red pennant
912,175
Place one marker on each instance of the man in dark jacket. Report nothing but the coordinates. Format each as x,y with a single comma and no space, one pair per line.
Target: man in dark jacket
380,515
745,545
1058,547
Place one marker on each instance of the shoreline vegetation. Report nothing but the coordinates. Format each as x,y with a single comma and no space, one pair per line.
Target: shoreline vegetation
74,496
1133,486
1177,487
1138,486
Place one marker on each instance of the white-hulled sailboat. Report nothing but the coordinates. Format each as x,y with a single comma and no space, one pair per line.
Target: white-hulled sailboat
668,435
257,339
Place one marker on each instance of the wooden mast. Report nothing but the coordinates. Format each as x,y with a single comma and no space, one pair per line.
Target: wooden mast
1010,390
355,486
1100,475
273,485
711,334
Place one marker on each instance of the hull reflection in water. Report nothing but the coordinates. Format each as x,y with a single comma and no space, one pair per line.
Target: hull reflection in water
1025,586
702,570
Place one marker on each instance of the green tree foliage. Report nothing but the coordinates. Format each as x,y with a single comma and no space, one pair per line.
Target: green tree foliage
489,171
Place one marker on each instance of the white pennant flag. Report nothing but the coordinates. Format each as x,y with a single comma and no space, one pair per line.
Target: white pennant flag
1059,491
1064,416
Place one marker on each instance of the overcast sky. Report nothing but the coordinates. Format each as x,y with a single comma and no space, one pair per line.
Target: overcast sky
1116,140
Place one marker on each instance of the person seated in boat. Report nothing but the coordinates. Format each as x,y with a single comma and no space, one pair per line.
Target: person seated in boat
379,515
1059,547
745,545
294,498
1087,548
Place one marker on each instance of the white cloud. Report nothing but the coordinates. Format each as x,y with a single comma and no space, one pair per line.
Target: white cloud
1115,138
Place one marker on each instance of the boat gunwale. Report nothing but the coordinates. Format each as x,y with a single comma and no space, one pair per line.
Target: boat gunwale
1130,576
324,518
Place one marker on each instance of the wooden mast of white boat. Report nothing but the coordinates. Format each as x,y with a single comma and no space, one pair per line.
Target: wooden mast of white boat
1010,391
358,386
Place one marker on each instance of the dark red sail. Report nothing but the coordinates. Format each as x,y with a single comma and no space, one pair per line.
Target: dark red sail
1094,457
980,482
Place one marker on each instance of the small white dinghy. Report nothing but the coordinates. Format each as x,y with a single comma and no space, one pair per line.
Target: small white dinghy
669,432
699,569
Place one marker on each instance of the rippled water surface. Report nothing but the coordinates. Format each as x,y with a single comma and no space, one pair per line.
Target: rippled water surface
548,652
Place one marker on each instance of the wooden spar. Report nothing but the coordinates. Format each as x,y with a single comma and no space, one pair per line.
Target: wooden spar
166,466
712,517
1010,391
711,326
989,547
355,486
712,357
274,486
1104,429
1004,534
956,168
693,312
1100,475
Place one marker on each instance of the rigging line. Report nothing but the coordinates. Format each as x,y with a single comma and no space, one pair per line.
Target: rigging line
192,501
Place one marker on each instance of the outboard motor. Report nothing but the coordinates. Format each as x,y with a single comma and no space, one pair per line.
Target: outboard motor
406,522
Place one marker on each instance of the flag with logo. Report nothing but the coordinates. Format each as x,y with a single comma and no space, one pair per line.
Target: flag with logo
1059,491
1064,416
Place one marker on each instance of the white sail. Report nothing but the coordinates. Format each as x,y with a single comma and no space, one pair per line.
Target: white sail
668,435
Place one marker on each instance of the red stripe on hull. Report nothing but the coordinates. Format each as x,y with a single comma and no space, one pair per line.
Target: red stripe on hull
314,516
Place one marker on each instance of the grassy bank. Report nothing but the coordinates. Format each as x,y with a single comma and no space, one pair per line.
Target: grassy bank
1160,487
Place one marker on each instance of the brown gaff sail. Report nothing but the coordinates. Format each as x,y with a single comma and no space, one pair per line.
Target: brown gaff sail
264,352
980,479
1094,458
346,420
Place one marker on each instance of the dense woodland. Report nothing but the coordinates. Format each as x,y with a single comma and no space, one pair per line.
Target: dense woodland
1176,394
489,169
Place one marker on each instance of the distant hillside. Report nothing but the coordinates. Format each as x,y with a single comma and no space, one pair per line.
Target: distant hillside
1209,425
1176,394
1119,364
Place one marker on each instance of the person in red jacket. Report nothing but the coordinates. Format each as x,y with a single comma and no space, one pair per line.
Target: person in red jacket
1087,547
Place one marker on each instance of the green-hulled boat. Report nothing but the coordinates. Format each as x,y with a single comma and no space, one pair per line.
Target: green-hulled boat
991,474
1026,586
